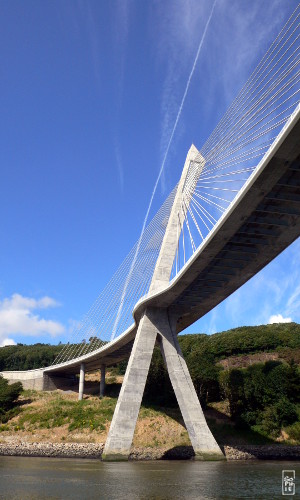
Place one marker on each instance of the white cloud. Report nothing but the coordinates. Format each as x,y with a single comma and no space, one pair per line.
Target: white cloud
293,303
86,11
278,318
123,12
212,326
17,302
18,317
7,341
177,30
237,32
243,35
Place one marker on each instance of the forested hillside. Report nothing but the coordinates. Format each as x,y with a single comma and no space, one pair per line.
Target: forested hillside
263,397
248,339
243,340
27,357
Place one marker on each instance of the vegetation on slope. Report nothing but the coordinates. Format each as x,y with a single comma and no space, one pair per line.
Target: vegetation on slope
264,397
246,339
60,417
261,401
28,357
220,345
9,395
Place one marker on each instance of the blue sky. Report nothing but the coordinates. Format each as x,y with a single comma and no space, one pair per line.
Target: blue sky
90,91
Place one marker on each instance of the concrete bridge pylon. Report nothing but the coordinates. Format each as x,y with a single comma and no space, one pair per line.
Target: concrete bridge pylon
159,325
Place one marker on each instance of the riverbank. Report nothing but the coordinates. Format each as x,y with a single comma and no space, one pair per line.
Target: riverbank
94,450
54,424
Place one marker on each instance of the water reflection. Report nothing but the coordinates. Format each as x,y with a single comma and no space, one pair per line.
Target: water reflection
43,478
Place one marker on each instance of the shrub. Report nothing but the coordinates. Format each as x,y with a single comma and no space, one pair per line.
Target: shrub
8,397
294,431
263,394
232,383
9,393
280,414
286,412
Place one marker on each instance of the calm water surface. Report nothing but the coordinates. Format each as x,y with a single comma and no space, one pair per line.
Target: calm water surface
51,478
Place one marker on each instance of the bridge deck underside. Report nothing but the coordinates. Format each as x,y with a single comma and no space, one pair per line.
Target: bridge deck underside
261,237
92,362
266,222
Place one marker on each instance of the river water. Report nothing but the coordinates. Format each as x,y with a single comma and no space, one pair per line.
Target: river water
24,478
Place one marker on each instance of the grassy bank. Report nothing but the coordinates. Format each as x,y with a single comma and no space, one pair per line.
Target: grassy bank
247,380
59,417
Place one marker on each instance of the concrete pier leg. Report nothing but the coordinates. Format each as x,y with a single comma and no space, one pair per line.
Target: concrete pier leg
81,381
102,381
118,443
155,323
203,442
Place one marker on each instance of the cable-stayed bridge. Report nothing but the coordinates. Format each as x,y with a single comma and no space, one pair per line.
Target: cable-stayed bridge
235,208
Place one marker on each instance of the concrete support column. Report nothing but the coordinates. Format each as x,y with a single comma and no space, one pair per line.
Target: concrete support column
192,169
156,322
203,442
102,381
81,381
118,442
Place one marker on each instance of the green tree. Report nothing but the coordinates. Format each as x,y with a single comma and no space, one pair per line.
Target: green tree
8,396
205,376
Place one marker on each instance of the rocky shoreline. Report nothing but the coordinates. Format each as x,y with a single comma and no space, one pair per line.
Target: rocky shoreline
91,450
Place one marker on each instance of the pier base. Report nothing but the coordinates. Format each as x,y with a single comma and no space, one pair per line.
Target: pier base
155,324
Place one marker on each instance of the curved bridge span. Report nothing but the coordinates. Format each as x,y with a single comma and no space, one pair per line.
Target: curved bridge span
262,222
249,171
